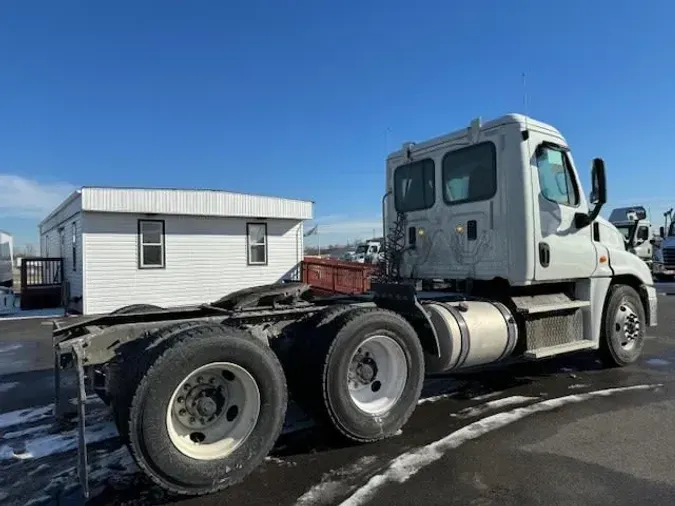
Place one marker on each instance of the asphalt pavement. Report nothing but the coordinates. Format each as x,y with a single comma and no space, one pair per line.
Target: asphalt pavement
563,431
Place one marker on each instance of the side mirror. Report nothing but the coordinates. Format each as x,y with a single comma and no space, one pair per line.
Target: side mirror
599,186
662,231
652,241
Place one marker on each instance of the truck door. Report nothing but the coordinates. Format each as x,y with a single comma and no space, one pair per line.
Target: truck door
643,248
563,251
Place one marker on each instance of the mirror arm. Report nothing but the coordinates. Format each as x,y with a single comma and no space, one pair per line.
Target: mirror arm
582,220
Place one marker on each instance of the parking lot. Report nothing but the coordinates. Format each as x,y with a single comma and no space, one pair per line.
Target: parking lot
563,431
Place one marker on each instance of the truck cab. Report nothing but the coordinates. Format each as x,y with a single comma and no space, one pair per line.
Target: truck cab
498,208
664,256
637,230
367,252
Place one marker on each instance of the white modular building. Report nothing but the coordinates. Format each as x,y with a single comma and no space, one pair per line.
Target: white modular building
170,247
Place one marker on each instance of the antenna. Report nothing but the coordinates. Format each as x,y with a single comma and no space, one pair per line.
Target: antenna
524,95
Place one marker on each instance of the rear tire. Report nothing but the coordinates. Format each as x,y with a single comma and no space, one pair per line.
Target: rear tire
218,444
364,373
623,328
127,368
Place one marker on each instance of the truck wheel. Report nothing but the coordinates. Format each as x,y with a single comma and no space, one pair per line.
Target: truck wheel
127,368
208,410
137,308
623,327
366,373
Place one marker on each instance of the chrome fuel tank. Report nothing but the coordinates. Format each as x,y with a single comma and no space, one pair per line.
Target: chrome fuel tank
470,333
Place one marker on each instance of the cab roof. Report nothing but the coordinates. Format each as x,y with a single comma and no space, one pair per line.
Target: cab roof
508,119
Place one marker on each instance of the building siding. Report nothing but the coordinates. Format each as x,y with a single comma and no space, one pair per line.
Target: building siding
193,203
69,219
205,258
68,208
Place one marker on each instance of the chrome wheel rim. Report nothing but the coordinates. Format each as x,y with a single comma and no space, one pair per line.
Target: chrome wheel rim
627,326
213,411
377,374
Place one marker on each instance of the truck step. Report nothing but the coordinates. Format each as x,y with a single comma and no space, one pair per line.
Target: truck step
548,303
549,308
550,351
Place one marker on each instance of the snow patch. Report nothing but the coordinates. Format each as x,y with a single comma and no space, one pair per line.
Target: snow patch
25,416
653,361
493,405
335,483
39,429
7,348
406,465
436,398
486,396
112,465
576,386
280,462
6,387
58,443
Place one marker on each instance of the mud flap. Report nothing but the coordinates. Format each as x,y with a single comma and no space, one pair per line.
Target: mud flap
83,469
402,298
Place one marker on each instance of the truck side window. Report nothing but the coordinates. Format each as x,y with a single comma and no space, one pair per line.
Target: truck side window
470,174
555,177
643,234
415,186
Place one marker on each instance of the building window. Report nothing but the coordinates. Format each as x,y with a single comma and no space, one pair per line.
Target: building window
470,174
256,243
74,245
415,186
151,244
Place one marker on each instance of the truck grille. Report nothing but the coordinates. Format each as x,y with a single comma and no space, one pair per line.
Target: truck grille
669,256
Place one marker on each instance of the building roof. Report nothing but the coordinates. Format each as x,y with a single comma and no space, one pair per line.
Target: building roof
186,202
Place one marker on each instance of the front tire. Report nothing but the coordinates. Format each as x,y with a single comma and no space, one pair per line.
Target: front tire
623,327
208,410
365,371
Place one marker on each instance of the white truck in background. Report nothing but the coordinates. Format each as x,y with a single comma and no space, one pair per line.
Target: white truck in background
6,259
638,231
494,254
368,252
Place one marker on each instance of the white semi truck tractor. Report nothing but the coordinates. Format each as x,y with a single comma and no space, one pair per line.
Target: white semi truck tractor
495,254
638,231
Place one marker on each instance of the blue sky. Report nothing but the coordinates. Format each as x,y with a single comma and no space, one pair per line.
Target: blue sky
304,98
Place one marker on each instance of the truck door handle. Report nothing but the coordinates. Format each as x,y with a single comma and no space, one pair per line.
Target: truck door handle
544,254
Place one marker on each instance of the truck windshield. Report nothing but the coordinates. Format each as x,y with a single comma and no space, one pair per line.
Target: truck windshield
361,249
625,230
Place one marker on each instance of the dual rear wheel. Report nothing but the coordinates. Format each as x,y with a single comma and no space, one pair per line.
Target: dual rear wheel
201,405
